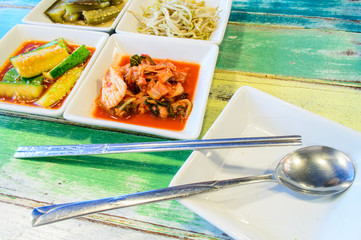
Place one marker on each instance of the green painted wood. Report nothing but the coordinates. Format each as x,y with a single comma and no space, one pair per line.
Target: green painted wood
62,179
283,51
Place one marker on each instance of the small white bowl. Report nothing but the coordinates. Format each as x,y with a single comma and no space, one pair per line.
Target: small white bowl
204,53
129,23
38,17
20,33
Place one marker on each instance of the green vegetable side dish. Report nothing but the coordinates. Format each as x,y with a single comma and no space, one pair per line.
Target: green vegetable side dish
77,57
38,77
20,90
60,88
12,76
33,63
85,12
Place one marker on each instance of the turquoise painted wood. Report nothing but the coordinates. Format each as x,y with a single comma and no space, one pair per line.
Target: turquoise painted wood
334,14
338,9
12,16
19,3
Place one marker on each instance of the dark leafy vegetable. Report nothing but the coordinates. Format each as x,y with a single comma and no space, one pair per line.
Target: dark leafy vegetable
153,107
135,60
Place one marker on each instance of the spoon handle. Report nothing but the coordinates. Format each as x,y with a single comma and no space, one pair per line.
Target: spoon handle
54,213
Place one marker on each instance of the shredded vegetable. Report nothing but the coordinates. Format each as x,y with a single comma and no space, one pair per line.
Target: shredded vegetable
179,18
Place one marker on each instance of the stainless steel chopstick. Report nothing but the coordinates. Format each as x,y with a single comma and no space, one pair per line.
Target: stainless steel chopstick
90,149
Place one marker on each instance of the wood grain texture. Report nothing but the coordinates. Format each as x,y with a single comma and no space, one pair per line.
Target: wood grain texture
338,103
12,16
348,10
335,15
295,52
305,52
59,180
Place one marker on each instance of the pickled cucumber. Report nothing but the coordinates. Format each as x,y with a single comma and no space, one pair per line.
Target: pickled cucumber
60,88
33,63
76,58
20,90
94,17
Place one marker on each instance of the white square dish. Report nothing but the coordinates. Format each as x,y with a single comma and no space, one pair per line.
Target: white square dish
38,17
264,211
20,33
204,53
130,24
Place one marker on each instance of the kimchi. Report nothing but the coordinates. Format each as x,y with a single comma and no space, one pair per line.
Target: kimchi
145,86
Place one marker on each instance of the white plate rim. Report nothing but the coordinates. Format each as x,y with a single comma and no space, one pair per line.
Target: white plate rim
241,230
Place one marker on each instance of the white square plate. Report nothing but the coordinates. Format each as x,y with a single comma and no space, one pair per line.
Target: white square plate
129,23
38,17
204,53
20,33
264,211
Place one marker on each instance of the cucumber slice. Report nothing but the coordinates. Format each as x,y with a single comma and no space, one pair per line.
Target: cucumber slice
72,17
102,15
60,88
20,90
33,63
60,41
13,76
76,58
116,2
79,7
56,12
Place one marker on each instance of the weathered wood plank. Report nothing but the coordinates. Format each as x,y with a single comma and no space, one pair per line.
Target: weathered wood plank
20,3
65,179
336,15
337,103
10,17
301,53
348,9
113,224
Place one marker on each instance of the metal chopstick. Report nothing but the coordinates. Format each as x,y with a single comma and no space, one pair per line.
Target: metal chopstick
90,149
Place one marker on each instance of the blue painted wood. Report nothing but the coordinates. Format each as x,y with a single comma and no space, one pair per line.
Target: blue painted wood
347,10
321,14
295,21
333,14
30,3
10,17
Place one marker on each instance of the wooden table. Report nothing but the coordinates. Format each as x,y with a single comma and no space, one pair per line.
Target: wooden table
305,52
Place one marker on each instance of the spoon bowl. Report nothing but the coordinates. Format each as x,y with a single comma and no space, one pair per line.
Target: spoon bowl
315,170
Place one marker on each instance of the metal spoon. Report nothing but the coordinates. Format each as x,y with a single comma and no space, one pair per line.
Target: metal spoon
315,170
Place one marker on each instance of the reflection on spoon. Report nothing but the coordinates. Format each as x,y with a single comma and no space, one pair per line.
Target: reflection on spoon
315,170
